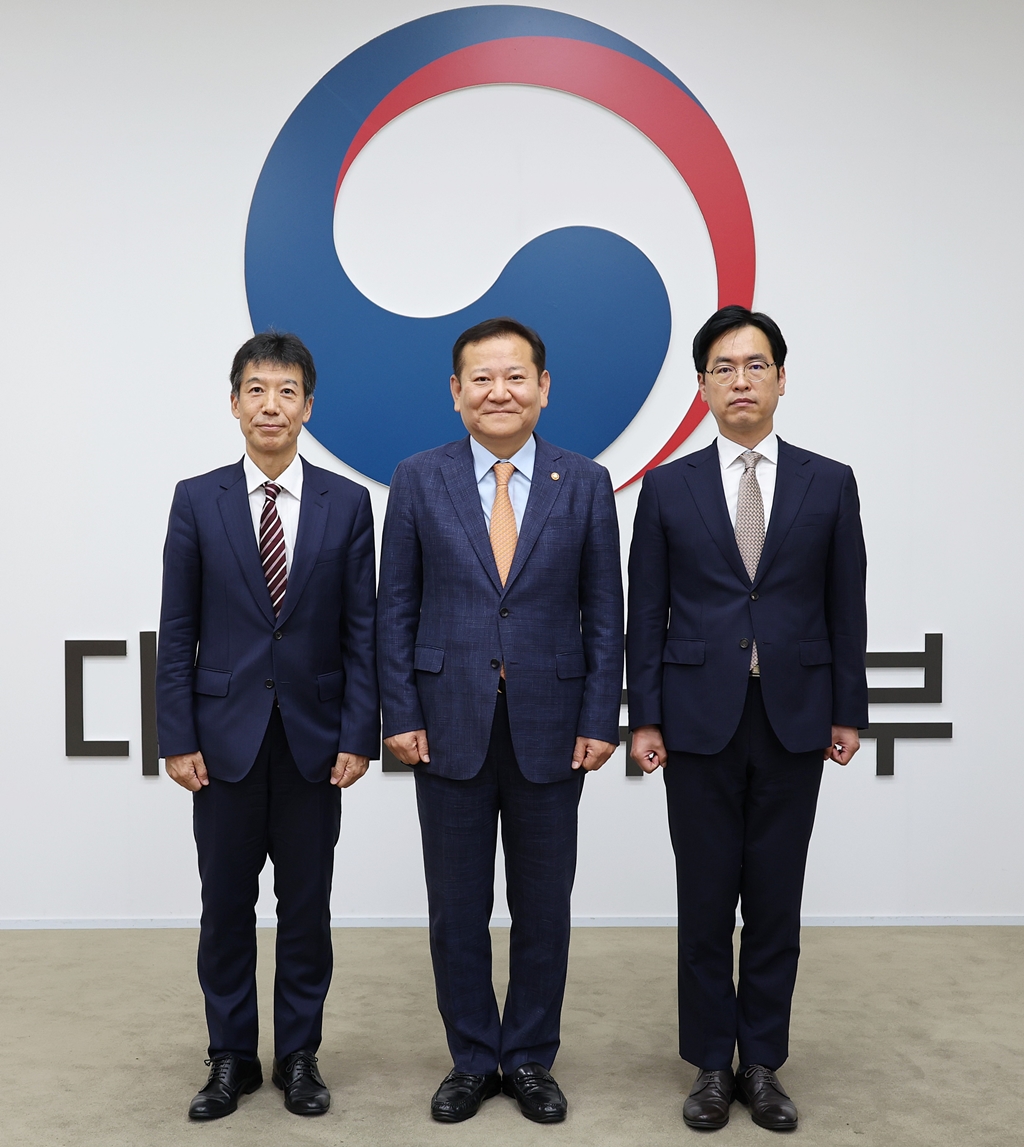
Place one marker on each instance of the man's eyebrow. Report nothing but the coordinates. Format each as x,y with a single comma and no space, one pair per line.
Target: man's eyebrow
757,356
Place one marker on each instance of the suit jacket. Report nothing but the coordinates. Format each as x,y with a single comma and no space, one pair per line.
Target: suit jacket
446,623
693,610
222,654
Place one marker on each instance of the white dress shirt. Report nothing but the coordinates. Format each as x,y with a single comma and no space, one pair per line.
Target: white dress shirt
729,455
518,485
288,500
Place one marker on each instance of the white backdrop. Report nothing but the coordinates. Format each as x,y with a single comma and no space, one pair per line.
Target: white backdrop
881,148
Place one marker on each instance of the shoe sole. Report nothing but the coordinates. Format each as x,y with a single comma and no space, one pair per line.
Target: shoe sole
307,1114
560,1118
451,1117
705,1126
535,1117
767,1126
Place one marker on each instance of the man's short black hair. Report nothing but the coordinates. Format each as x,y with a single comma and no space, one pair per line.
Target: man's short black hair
495,328
276,349
732,319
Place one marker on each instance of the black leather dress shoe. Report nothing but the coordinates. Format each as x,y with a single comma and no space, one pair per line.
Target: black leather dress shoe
230,1077
461,1095
305,1093
536,1092
770,1106
707,1106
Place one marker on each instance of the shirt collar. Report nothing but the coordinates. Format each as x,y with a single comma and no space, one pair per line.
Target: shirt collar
523,459
729,451
290,481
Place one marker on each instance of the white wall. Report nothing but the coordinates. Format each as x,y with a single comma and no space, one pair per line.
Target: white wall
881,148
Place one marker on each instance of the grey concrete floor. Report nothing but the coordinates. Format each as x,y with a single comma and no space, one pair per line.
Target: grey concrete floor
901,1036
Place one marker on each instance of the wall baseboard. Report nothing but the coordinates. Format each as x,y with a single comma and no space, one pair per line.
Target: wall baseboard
500,922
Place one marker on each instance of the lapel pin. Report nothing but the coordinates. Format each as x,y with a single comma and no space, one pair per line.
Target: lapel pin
555,475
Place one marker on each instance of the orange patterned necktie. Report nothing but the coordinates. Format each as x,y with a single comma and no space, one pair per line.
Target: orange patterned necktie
503,521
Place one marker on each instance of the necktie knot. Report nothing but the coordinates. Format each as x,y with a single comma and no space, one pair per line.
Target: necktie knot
750,459
503,472
272,489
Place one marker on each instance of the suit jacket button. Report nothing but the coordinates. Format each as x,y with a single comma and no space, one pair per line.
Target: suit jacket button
744,644
503,612
753,596
495,663
269,684
278,634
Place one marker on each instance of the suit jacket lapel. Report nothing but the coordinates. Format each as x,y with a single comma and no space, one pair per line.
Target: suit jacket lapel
237,518
703,475
792,481
460,479
544,491
312,522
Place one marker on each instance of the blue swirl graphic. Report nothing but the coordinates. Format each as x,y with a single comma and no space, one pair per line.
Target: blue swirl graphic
596,299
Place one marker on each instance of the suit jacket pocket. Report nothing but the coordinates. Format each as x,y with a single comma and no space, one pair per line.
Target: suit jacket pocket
331,685
569,665
817,652
211,682
330,555
427,659
683,651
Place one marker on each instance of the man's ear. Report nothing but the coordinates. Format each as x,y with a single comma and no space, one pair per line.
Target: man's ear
545,389
456,387
702,389
782,380
309,409
234,406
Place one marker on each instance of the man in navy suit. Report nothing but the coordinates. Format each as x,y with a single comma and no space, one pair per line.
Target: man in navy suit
500,653
267,708
745,666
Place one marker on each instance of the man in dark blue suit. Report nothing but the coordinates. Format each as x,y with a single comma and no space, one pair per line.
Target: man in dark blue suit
500,653
745,666
267,707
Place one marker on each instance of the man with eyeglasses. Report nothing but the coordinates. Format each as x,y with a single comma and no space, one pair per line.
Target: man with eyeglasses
745,667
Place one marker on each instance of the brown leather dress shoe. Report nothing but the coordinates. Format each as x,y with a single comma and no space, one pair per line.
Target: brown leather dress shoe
770,1106
707,1106
462,1094
230,1077
533,1087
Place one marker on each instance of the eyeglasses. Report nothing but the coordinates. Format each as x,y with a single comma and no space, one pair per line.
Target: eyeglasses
725,375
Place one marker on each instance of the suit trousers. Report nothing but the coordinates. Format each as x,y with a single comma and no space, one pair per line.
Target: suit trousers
459,823
740,822
272,812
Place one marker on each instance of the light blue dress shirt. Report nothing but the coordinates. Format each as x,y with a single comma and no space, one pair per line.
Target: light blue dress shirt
518,485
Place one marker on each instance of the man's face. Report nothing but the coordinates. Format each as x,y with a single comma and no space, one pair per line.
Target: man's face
271,406
499,392
742,406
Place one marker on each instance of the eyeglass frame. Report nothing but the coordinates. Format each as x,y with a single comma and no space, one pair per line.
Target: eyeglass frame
739,370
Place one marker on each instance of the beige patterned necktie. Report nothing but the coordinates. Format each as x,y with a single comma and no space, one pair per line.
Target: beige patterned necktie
503,521
750,525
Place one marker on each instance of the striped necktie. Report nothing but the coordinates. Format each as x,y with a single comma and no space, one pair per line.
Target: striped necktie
750,526
272,551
